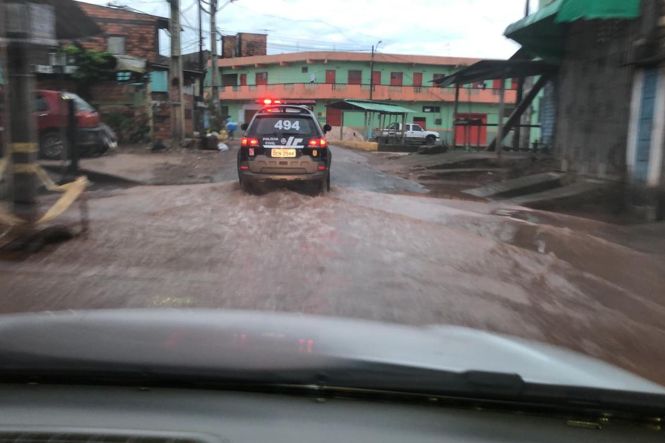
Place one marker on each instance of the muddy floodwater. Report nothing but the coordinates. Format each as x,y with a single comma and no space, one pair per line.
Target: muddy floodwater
364,253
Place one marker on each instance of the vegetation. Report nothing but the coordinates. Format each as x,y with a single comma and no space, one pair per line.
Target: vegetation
93,66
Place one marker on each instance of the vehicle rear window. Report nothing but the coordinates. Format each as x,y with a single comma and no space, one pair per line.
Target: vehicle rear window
282,125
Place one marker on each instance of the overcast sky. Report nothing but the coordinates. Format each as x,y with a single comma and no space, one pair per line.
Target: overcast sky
467,28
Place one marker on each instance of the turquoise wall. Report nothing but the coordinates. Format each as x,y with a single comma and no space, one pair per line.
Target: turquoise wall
292,73
445,127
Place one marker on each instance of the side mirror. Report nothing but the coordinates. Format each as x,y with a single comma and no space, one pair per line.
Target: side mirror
244,126
326,128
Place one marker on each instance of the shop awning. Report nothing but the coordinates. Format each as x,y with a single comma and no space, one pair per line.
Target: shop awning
541,33
130,63
370,106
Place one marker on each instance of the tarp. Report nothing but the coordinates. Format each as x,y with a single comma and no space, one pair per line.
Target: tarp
542,33
360,105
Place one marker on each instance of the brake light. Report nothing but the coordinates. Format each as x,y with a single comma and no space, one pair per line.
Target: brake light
322,167
244,168
246,141
318,142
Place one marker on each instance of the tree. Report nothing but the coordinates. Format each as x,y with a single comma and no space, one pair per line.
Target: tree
92,66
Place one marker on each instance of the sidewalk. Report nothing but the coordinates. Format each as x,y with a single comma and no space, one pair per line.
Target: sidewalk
143,167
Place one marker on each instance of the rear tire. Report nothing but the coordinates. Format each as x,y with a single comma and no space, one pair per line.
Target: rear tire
324,186
246,186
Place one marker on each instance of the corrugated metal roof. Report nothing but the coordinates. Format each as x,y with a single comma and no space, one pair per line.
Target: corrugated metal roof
360,105
71,22
496,69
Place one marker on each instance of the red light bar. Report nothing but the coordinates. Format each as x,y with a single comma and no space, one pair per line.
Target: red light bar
269,101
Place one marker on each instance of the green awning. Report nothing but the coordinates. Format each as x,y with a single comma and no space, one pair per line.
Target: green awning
572,10
541,33
370,106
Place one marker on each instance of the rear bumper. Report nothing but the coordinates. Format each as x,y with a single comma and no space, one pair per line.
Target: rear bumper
260,178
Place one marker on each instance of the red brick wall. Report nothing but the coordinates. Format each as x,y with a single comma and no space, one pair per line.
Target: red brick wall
111,92
139,30
252,44
161,116
189,114
228,46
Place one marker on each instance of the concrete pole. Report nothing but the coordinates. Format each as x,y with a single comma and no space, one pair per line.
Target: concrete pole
517,138
371,75
455,111
201,61
22,125
499,134
175,74
214,71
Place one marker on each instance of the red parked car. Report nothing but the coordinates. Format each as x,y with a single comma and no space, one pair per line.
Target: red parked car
93,138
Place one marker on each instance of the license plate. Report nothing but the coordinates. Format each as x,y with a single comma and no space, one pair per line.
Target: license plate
282,153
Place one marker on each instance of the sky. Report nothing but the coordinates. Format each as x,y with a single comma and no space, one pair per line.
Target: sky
462,28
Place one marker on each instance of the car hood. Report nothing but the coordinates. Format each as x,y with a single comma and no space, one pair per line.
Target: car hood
259,341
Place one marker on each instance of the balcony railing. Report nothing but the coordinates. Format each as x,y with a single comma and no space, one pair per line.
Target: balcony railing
341,91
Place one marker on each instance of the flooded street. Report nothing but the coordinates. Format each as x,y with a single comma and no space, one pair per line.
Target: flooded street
376,248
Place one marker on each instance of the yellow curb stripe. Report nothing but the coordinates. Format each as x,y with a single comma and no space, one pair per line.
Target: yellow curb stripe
23,148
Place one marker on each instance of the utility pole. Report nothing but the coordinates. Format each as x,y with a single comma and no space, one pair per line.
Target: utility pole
371,75
213,59
201,61
176,81
371,70
22,126
527,8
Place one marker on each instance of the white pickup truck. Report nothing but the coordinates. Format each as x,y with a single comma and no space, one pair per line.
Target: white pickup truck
414,134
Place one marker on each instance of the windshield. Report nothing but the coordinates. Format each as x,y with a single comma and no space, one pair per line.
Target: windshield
484,179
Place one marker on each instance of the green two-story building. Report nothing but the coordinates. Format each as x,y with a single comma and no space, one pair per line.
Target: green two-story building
321,78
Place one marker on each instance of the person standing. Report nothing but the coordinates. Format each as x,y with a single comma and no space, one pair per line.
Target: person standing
231,127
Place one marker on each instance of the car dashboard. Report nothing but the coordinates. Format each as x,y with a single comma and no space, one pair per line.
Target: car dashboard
63,413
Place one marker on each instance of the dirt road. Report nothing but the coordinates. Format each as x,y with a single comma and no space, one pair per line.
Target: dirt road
373,248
